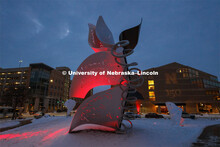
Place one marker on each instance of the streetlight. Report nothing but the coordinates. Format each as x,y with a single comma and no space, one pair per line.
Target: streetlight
20,61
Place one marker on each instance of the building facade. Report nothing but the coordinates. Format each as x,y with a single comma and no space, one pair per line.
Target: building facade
66,81
191,89
13,77
48,87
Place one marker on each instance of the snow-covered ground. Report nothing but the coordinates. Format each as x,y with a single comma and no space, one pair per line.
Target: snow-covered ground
9,123
53,131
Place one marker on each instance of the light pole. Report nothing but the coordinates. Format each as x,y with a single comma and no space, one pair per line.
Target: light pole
20,61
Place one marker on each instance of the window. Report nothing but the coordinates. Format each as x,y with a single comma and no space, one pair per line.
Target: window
185,75
150,82
151,87
152,95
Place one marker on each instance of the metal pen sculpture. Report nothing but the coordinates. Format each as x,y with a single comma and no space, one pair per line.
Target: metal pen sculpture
105,110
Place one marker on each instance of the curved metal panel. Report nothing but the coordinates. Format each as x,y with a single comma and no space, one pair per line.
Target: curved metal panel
97,62
131,35
93,40
102,109
103,33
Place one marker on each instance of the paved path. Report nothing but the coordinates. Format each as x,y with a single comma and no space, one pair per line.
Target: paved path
21,123
210,137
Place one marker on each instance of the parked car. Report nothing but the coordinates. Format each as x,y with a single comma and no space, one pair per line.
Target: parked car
59,110
187,115
137,116
129,115
6,112
153,115
38,114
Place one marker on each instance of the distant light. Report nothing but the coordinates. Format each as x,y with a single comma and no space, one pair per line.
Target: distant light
51,81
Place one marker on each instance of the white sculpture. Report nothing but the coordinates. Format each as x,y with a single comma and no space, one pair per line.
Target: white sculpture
175,113
70,104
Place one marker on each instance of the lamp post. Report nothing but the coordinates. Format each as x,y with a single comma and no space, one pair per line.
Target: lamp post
20,61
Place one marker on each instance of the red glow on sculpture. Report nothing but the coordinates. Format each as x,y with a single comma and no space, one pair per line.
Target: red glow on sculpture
99,62
104,110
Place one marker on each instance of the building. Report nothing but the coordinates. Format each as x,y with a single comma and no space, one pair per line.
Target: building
13,77
49,88
66,81
193,90
39,83
56,89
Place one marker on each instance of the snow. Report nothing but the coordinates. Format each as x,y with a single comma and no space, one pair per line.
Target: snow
175,113
70,104
9,123
53,131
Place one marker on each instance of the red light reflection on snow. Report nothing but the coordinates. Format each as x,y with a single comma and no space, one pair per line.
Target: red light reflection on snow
47,133
55,134
22,135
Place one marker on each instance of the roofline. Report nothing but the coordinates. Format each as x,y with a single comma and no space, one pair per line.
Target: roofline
182,65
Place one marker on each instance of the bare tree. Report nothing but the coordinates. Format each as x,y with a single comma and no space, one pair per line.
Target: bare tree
16,96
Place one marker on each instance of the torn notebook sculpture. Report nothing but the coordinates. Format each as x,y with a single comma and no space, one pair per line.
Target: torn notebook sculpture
175,113
105,110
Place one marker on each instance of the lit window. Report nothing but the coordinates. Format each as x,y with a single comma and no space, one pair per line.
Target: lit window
17,82
9,73
151,87
150,82
152,95
185,75
19,72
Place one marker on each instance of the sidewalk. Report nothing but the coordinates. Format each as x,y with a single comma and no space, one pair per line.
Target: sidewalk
7,123
14,124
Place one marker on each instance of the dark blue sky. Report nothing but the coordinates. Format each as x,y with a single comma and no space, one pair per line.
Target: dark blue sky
56,32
